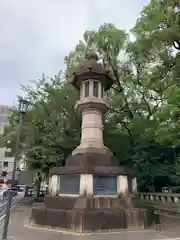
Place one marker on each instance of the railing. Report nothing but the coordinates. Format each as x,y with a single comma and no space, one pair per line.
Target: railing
173,198
165,203
2,218
15,201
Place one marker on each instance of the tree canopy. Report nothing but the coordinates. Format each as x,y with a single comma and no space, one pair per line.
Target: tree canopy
142,127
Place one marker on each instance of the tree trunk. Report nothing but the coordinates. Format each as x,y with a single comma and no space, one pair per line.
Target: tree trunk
37,186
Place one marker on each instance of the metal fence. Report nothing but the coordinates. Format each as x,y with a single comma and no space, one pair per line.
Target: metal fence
3,205
2,218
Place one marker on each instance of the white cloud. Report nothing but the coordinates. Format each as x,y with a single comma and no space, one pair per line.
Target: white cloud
36,35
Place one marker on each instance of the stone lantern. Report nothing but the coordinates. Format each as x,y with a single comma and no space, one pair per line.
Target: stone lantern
92,192
92,81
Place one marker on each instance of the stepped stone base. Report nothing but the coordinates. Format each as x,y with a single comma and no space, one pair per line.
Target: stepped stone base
87,212
82,214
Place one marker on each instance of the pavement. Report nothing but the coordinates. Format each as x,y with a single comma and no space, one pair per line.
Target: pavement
20,230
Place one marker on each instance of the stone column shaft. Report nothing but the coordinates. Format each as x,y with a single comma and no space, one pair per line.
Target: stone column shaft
92,128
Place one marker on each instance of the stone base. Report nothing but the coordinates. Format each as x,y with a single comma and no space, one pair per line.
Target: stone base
87,215
93,163
98,148
93,158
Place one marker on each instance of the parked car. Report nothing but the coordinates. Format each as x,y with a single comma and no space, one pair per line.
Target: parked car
21,188
14,191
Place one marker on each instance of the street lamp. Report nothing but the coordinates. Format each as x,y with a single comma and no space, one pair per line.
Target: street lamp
23,105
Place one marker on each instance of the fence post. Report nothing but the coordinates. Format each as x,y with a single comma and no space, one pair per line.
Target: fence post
2,225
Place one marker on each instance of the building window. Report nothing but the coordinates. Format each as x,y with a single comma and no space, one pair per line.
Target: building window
86,85
95,89
69,184
4,174
5,164
103,185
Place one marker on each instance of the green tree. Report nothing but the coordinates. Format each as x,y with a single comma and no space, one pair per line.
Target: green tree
135,99
156,31
50,128
1,141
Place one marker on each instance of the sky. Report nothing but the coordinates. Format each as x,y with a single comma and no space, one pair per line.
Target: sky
35,35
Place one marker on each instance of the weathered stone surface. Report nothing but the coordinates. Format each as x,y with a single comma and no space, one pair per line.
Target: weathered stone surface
93,163
89,219
96,170
92,158
60,202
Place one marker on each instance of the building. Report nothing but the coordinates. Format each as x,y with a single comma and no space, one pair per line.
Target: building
6,158
4,113
6,161
6,169
22,176
6,164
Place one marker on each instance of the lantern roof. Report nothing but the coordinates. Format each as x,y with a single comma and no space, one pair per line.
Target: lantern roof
91,69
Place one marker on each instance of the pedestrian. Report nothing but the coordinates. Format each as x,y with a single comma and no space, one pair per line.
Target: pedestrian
157,220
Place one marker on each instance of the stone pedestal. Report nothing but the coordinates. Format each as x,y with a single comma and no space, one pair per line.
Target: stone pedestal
84,214
82,209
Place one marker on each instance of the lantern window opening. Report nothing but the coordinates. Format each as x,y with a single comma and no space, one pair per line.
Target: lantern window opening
86,89
102,90
91,88
95,89
82,91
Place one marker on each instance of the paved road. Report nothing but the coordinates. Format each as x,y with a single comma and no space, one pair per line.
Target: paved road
20,230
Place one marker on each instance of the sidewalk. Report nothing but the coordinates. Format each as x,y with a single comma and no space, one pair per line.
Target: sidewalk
20,230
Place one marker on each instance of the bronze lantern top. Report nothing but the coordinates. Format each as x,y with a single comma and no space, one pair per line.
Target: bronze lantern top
91,69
